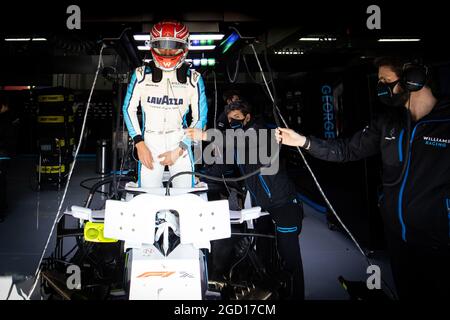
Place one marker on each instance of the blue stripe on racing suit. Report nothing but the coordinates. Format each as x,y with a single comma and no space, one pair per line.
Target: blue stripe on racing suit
126,105
202,106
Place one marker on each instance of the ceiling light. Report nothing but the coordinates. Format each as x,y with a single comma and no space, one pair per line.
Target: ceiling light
206,36
24,39
202,47
141,37
295,52
193,48
196,37
17,39
317,39
399,40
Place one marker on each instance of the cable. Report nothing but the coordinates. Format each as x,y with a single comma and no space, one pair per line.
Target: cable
95,178
69,252
215,99
248,71
84,186
241,259
125,155
202,175
254,79
272,81
236,70
98,185
10,289
38,269
277,117
240,35
249,234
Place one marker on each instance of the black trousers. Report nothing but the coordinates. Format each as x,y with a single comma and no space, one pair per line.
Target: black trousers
3,187
420,272
288,220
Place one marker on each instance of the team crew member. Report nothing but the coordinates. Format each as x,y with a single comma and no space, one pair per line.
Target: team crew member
166,90
228,97
414,142
274,193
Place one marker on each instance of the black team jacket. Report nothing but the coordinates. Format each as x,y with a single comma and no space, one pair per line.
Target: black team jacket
417,209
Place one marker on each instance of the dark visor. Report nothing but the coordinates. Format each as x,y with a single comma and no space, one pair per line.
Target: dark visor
168,44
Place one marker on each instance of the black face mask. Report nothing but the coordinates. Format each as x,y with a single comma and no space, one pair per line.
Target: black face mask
385,92
236,124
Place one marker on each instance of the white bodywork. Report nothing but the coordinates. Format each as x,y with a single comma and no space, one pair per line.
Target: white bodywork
142,220
180,273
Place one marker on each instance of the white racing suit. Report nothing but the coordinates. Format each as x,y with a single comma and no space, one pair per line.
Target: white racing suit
164,106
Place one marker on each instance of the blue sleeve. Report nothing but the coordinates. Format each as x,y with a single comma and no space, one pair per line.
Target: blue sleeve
199,109
129,108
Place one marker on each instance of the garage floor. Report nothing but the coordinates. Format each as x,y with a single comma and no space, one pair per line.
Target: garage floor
326,254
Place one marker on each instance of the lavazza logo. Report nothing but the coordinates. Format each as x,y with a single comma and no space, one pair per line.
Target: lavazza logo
436,142
165,100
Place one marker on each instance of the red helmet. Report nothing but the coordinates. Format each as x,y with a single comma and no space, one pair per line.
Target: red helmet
169,44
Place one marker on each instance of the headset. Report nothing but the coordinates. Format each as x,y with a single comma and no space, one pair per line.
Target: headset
414,76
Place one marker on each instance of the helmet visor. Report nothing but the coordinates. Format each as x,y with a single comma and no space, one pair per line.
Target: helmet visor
168,48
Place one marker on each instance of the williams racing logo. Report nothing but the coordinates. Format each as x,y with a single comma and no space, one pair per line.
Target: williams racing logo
165,100
436,142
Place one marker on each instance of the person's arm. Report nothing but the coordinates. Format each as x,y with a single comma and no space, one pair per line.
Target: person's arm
362,144
199,107
129,109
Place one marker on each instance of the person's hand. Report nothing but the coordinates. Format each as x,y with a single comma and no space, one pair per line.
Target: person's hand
144,155
170,157
195,134
289,137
